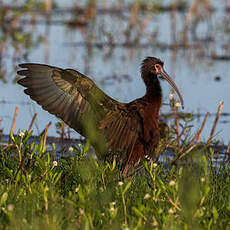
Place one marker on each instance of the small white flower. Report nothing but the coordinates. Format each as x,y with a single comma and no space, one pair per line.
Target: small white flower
22,133
147,157
154,165
155,199
71,149
81,211
202,179
77,189
172,183
155,224
147,196
24,220
171,96
120,183
170,211
103,214
177,104
10,207
124,227
112,209
55,163
113,203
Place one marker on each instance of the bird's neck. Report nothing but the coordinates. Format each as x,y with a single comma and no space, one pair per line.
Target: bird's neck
153,95
153,88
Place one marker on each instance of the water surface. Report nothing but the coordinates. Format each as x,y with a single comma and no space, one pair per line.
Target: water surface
203,82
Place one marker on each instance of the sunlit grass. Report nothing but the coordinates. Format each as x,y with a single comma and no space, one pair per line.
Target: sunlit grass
78,192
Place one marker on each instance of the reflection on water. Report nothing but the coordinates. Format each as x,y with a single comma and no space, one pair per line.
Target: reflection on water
108,41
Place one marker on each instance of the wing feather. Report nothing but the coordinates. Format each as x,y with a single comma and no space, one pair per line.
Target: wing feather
76,99
113,132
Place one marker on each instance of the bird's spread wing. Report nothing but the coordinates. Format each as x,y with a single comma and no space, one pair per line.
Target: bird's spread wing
77,100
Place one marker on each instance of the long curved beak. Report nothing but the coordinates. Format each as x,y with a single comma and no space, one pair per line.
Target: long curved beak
171,82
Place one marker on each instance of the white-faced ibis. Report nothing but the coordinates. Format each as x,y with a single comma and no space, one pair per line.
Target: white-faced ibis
128,131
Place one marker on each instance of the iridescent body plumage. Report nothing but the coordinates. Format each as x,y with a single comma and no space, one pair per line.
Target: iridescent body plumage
129,131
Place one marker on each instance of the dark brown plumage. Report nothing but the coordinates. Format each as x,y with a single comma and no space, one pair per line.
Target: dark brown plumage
129,131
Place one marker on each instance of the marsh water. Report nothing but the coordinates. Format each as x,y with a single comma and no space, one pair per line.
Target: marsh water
107,41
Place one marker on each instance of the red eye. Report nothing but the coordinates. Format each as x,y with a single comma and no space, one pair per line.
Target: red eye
158,68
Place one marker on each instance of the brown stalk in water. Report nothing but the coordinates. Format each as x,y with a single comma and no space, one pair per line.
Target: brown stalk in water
215,122
14,119
32,122
45,133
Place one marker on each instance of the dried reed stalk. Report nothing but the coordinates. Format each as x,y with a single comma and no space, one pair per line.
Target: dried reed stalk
215,122
63,134
228,148
48,5
45,133
228,153
32,122
198,134
173,21
14,119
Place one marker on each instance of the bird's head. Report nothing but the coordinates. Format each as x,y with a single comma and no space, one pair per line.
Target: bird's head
152,68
